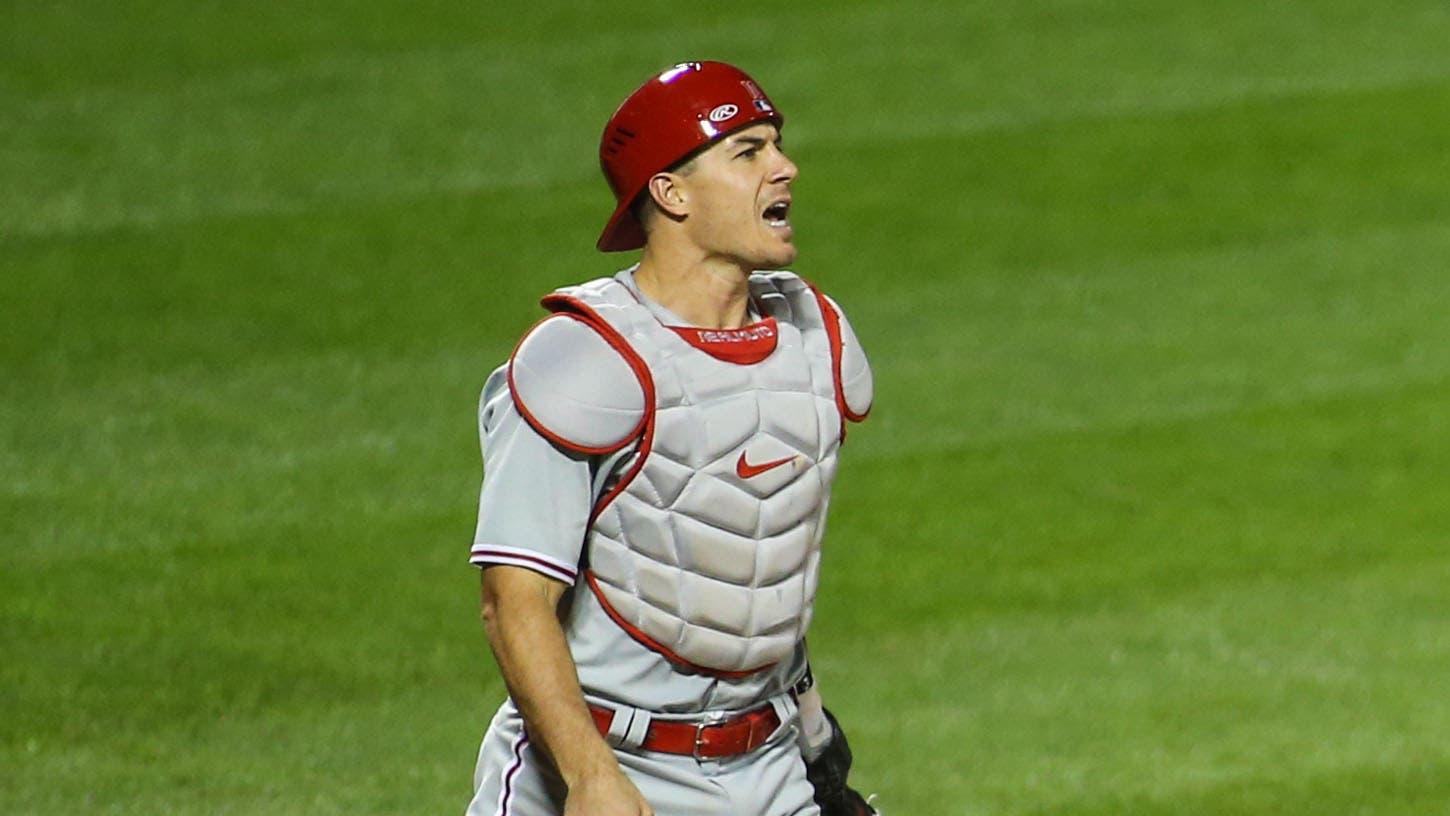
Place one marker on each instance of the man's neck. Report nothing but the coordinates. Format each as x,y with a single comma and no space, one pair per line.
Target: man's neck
704,293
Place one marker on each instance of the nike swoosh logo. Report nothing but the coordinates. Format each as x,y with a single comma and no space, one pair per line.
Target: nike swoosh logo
745,470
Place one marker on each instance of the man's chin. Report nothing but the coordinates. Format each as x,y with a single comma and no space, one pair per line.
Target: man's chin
781,258
777,257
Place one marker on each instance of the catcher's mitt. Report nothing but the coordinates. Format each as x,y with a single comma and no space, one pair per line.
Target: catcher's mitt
827,774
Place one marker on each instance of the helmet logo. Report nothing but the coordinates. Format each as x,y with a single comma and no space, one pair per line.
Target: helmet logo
723,112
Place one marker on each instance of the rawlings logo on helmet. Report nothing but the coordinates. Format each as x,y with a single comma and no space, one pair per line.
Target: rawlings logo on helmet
723,112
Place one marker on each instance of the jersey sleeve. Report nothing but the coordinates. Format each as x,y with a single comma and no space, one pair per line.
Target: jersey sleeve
536,496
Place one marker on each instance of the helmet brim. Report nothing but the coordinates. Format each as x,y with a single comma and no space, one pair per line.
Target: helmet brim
623,232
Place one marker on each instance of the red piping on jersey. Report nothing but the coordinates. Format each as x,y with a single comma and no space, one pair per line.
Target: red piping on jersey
550,568
655,646
832,322
618,344
743,346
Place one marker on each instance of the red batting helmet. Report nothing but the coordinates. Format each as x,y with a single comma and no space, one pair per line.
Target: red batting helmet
662,123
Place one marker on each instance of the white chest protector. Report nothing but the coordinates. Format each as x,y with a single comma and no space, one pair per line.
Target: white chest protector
705,545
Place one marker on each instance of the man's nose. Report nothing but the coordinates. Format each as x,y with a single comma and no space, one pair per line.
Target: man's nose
786,170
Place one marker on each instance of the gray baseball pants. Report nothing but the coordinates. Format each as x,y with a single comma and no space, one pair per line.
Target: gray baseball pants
514,777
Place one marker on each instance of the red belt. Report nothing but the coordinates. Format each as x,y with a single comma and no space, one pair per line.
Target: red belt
705,739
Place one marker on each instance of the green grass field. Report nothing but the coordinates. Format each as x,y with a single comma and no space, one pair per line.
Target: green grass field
1152,516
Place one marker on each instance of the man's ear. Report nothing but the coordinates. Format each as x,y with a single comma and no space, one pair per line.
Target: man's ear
669,194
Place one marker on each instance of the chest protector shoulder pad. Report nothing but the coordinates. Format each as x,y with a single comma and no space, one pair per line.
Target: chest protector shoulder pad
574,388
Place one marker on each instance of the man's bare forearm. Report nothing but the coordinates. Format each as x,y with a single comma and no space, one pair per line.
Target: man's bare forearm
520,616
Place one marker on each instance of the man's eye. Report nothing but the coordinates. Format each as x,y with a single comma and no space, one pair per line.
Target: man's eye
746,154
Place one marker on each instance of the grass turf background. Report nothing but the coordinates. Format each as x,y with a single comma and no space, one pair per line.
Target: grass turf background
1151,516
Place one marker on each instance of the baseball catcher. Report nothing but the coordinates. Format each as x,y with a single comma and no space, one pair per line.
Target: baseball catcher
659,452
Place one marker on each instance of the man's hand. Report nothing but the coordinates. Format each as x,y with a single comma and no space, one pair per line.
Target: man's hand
606,793
520,615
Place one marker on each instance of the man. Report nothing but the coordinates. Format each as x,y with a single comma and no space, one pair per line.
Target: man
659,457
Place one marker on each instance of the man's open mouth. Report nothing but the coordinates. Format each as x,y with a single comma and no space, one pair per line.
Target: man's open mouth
778,213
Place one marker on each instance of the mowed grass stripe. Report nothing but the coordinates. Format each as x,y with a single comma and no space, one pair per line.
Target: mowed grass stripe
58,48
1381,786
1039,355
149,173
1110,519
1171,701
1073,193
292,135
1156,339
332,756
1003,378
236,458
137,187
974,219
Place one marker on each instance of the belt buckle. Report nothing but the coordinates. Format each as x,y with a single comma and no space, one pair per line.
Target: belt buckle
710,721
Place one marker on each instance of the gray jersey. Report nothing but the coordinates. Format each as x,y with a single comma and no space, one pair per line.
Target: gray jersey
533,513
537,510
